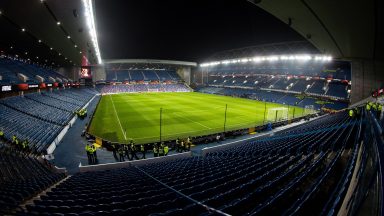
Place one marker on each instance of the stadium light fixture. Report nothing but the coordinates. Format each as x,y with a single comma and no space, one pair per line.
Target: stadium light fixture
23,29
244,60
90,19
273,58
58,23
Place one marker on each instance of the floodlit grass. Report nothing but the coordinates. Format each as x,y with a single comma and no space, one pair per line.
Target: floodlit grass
121,117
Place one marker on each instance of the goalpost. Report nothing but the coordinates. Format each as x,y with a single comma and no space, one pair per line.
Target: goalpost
277,114
309,109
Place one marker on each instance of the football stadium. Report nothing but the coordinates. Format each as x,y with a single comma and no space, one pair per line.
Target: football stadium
144,107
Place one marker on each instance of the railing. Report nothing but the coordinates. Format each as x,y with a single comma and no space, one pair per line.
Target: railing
367,198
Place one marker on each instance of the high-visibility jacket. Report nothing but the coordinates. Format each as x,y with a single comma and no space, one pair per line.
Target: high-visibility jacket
14,138
380,108
351,113
368,107
91,150
1,133
88,148
166,149
142,148
161,150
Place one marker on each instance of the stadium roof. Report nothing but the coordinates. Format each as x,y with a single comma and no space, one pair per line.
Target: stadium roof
56,24
150,62
184,30
282,48
343,29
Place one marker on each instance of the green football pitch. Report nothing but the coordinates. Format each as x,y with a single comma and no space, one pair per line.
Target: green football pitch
121,117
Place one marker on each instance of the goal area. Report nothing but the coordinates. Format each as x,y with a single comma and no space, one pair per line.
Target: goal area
277,114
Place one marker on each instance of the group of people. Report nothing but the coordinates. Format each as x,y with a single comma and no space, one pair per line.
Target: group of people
128,150
183,145
376,108
18,144
91,153
161,150
82,113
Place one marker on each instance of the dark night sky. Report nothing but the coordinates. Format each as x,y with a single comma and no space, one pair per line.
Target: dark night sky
183,30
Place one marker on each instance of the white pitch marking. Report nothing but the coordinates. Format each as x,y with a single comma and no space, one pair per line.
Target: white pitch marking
191,120
114,108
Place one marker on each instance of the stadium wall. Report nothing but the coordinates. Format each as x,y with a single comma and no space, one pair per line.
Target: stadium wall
366,77
98,73
70,72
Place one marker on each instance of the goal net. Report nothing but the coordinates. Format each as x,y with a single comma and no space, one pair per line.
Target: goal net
277,114
309,109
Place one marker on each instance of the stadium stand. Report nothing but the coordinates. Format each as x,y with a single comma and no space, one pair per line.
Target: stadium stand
280,88
337,90
11,68
287,170
22,177
113,89
39,118
300,85
317,87
141,75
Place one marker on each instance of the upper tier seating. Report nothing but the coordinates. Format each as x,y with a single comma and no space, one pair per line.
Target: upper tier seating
318,87
300,85
337,90
9,70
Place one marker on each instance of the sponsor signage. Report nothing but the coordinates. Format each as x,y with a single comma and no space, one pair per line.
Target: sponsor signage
33,86
6,88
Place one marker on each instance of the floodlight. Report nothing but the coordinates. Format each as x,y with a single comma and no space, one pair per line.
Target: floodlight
89,17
